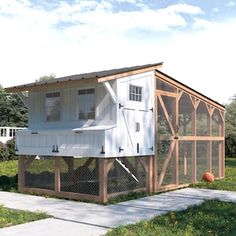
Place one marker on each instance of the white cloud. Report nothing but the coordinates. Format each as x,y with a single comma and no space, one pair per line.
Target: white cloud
216,10
230,4
128,1
205,60
95,37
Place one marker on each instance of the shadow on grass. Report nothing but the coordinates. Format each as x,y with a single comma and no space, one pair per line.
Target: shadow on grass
8,183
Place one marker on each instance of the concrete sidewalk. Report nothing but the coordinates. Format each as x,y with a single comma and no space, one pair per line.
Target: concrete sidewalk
77,218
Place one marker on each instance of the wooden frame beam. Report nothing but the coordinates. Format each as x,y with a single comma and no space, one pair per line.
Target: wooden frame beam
51,86
166,115
166,162
70,195
201,138
165,93
134,72
110,91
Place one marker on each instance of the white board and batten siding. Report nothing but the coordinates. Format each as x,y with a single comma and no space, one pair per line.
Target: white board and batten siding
133,113
112,133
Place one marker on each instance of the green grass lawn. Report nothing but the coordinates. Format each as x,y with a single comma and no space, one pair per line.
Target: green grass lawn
10,217
228,183
211,218
8,175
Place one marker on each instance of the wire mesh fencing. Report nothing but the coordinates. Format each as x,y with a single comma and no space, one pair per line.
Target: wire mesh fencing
41,174
126,174
79,175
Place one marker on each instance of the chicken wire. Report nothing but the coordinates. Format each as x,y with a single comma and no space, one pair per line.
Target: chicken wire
78,177
185,162
202,158
41,174
215,158
123,177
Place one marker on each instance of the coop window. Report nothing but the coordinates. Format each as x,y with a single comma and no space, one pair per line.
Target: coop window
53,106
135,93
86,103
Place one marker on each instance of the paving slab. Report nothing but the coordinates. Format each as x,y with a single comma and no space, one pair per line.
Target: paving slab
53,227
94,219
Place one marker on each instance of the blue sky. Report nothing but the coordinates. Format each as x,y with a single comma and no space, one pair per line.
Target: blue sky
194,39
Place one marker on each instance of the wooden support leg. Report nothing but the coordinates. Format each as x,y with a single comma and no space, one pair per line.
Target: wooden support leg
176,163
194,162
57,174
221,160
209,156
70,164
21,173
154,173
103,180
149,176
97,168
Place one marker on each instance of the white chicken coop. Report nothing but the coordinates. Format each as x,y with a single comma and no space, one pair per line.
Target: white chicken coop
101,134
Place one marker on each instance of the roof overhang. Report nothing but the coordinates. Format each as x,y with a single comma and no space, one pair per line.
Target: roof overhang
88,78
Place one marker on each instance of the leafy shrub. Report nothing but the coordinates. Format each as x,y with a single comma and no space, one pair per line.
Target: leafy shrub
7,151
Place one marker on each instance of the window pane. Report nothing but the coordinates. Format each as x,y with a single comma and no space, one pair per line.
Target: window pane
135,93
52,106
86,103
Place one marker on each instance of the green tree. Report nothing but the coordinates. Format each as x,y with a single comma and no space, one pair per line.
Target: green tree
230,128
13,112
46,77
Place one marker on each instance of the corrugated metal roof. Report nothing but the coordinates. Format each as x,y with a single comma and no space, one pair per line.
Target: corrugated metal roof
92,75
97,75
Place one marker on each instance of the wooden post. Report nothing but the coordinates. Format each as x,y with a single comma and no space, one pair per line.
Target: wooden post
221,155
103,180
194,144
57,174
209,143
222,146
176,111
21,173
154,165
70,164
97,168
155,161
223,151
194,161
149,176
176,154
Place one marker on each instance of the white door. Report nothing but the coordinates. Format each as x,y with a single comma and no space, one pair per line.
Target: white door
137,127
